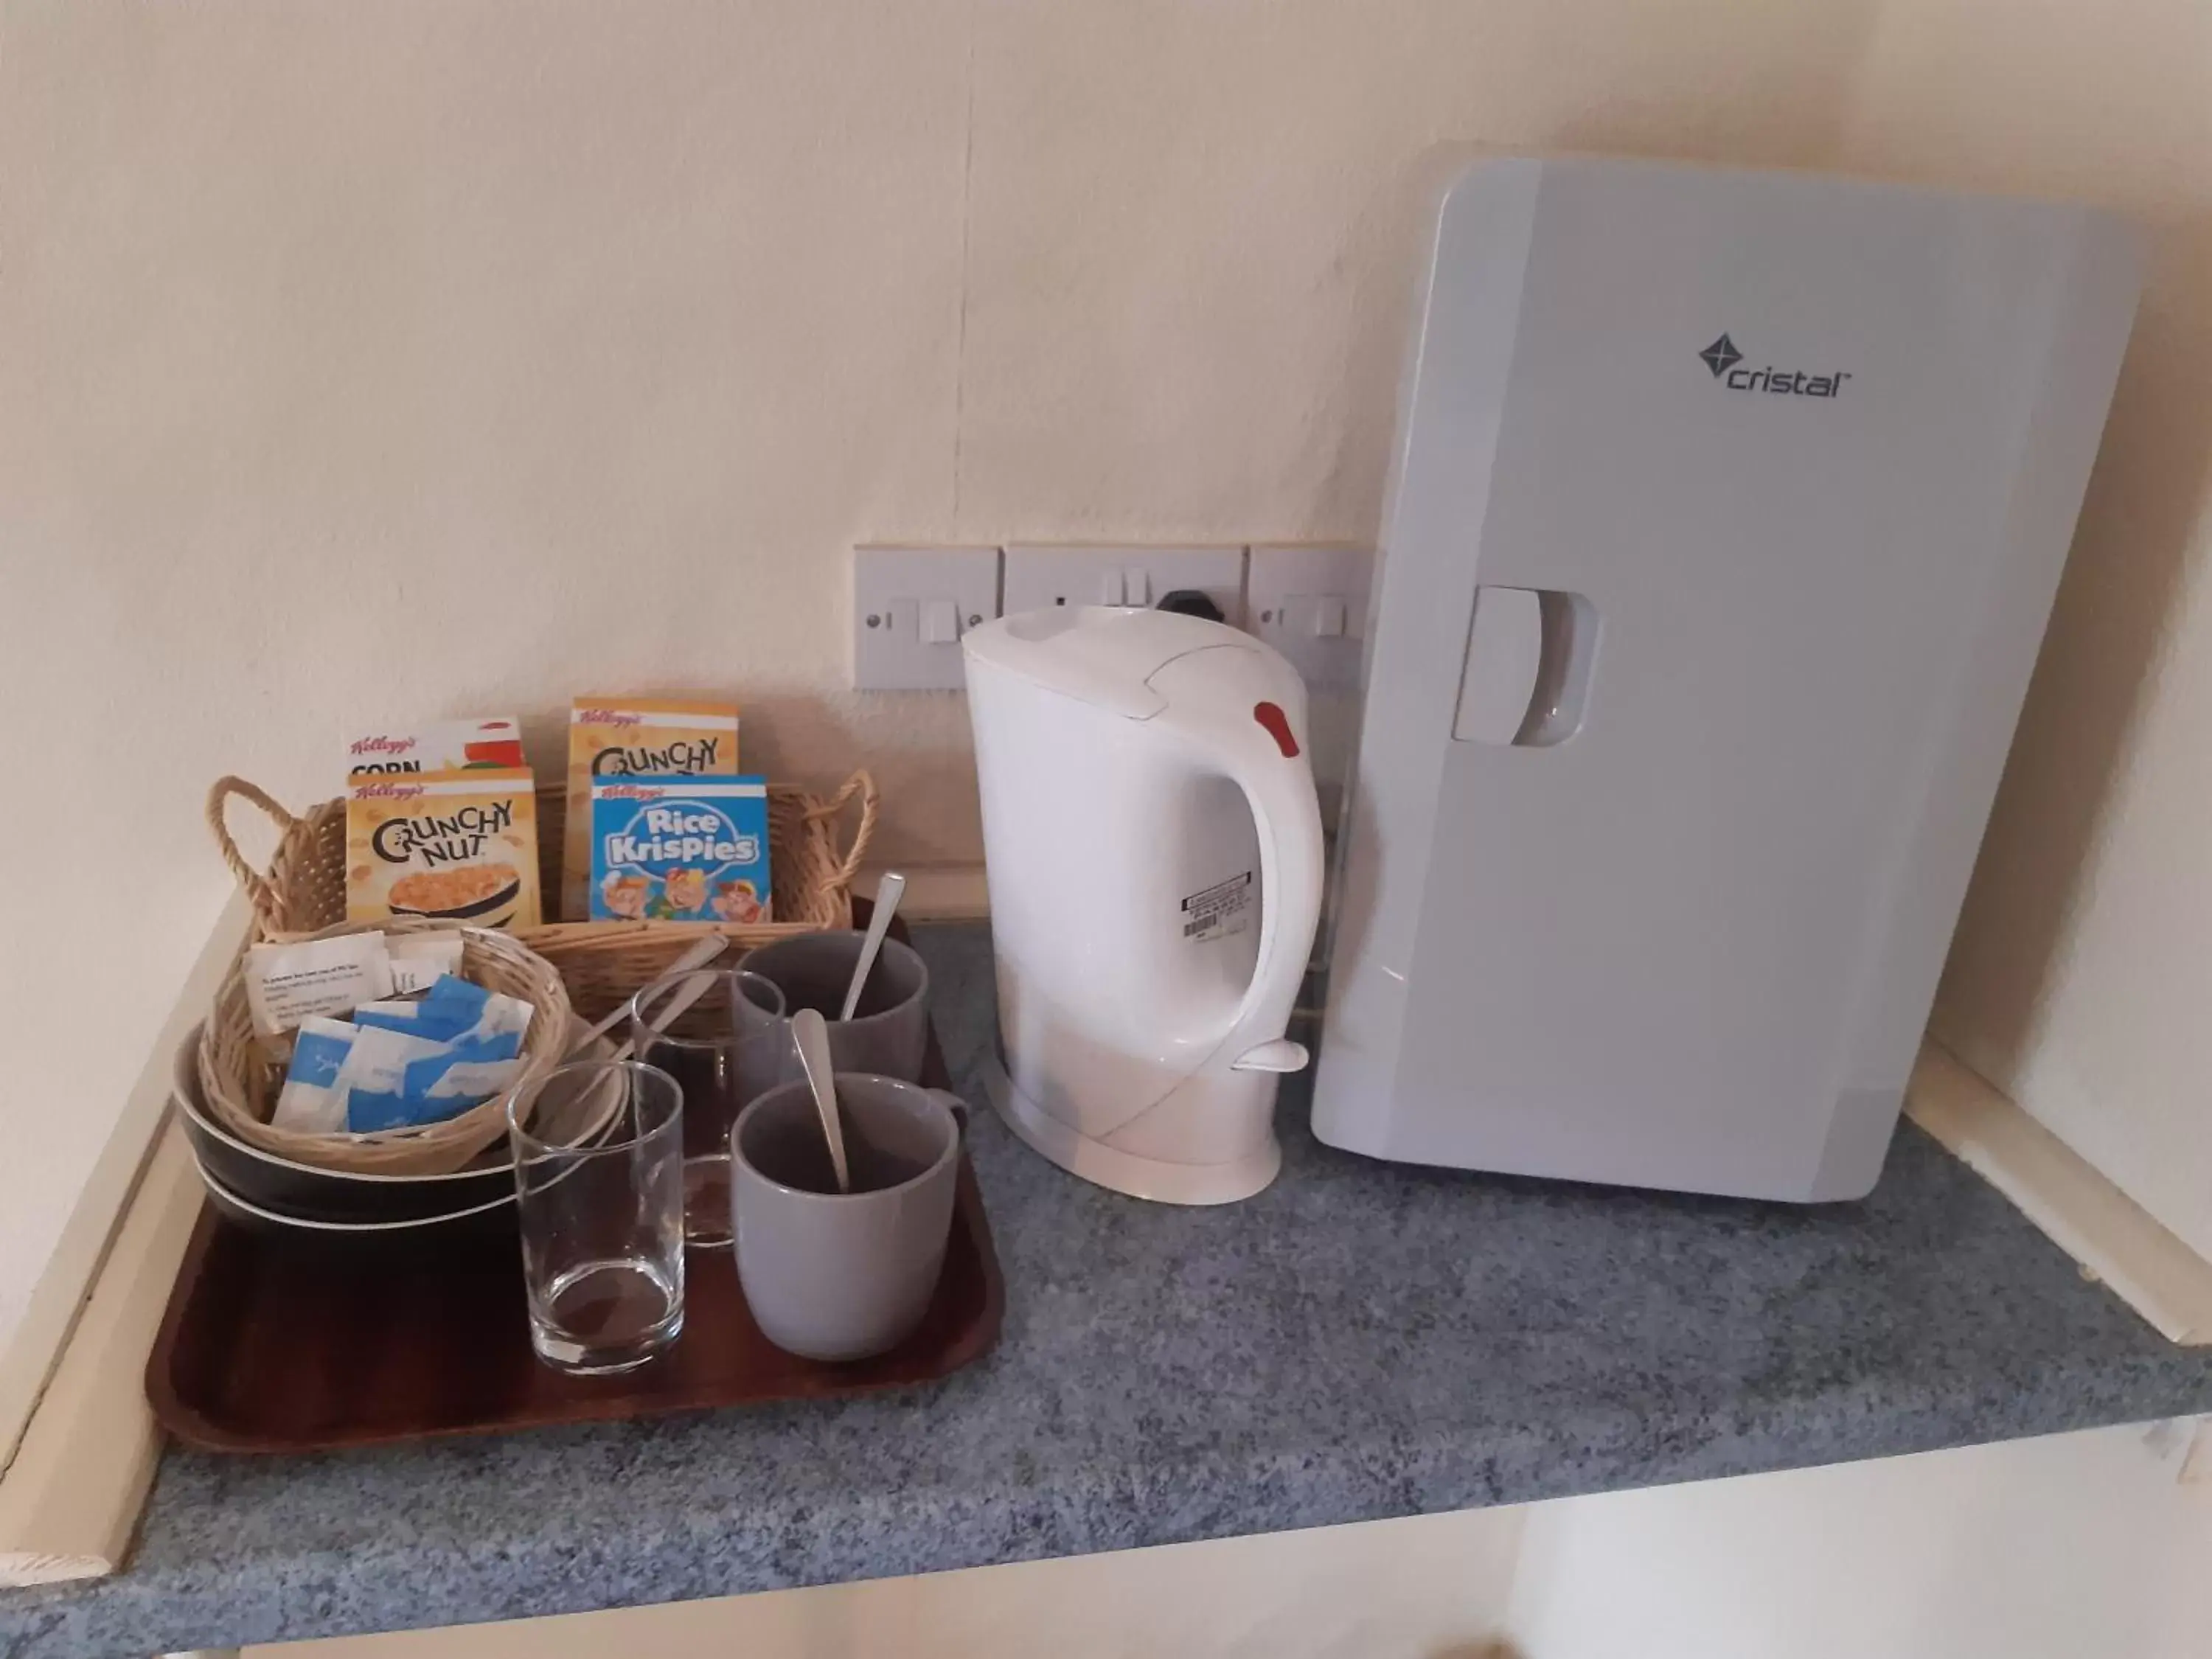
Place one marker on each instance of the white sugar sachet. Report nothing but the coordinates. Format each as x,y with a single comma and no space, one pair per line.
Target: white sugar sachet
313,1101
504,1021
286,984
375,1077
466,1082
418,959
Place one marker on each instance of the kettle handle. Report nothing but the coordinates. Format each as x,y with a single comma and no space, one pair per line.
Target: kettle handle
1277,780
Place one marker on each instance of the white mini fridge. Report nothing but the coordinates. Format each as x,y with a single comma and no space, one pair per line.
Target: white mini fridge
1726,512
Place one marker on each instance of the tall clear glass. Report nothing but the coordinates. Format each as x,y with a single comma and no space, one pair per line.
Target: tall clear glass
721,1034
598,1181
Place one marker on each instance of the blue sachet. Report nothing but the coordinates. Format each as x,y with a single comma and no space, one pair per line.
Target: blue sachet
401,1076
312,1102
415,1019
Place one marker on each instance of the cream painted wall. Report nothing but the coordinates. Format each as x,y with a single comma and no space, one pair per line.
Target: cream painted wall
2082,970
367,362
1429,1587
2079,1544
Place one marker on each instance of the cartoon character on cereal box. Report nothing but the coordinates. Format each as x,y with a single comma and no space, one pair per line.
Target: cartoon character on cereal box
625,896
680,848
682,892
735,902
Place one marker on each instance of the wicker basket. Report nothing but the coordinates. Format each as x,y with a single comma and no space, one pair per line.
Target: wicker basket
603,962
239,1081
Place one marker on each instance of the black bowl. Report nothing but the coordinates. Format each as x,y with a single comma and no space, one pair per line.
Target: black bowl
267,1182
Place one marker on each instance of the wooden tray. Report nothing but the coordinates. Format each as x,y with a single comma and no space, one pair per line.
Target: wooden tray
270,1349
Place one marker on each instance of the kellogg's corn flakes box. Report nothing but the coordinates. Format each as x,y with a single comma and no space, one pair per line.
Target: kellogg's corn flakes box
456,846
437,746
679,849
626,736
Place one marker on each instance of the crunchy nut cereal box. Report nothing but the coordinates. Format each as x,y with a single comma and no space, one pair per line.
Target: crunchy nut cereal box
630,737
456,846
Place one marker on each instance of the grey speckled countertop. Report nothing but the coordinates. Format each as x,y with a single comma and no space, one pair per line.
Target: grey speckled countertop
1361,1340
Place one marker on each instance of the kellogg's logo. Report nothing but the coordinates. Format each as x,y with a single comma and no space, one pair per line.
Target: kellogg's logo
387,791
606,717
383,745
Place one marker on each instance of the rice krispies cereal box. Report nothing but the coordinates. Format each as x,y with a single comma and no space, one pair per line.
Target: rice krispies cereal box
679,849
457,846
630,737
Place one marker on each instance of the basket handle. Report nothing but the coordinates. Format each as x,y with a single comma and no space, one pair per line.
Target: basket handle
258,892
862,785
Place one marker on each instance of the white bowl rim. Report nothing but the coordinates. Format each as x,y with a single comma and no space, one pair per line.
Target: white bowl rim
227,1195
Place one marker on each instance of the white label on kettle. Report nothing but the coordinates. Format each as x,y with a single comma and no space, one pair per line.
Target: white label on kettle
1220,910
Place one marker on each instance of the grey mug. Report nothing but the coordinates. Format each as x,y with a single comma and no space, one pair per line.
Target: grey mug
832,1275
888,1032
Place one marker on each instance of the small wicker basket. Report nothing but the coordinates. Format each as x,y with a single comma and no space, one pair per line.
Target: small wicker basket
603,962
239,1080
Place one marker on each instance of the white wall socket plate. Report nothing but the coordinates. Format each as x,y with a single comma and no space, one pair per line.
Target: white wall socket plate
910,606
1039,576
1308,600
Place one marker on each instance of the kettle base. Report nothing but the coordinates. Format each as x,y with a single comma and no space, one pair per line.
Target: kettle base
1153,1178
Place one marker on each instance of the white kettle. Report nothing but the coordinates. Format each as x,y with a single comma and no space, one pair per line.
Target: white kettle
1154,849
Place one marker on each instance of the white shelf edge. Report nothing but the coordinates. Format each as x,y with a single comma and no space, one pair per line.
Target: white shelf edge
77,1443
2111,1236
31,1355
70,1501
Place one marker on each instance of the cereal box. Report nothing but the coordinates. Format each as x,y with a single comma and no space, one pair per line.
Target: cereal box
624,737
456,846
679,849
440,746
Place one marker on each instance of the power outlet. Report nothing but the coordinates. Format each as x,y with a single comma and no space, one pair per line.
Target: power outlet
1042,577
910,606
1309,602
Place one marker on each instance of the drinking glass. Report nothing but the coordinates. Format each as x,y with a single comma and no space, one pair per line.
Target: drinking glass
725,1042
599,1181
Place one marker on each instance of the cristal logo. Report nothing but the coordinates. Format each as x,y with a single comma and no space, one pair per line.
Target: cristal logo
1725,361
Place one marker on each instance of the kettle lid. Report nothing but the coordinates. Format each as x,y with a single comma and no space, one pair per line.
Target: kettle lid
1102,655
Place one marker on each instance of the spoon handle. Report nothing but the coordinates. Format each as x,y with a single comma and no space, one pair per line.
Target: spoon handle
889,891
812,1037
674,1009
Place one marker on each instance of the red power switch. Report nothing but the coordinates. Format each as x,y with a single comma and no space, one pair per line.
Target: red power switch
1279,727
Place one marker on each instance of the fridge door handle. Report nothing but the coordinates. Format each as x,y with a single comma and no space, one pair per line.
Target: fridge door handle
1505,659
